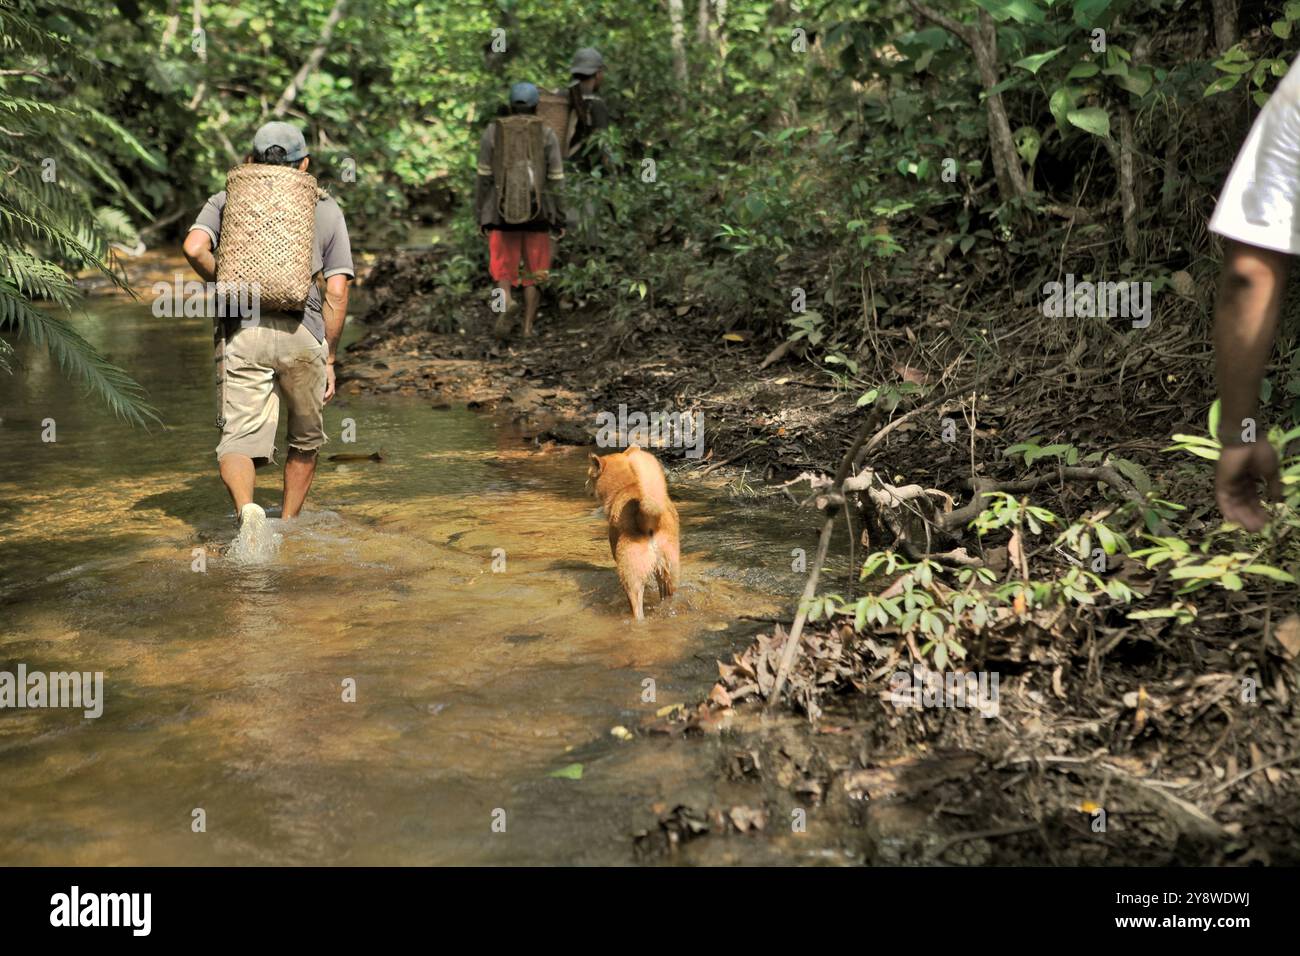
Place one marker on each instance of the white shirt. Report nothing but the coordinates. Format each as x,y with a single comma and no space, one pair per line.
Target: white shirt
1260,202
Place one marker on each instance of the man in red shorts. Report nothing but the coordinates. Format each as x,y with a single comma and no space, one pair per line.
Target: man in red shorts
519,244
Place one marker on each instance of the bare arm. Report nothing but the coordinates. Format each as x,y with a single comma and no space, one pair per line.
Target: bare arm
334,310
198,251
1245,321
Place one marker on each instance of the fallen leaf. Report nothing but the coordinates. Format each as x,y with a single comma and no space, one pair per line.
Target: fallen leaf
572,772
745,819
1058,688
1287,634
913,375
1016,552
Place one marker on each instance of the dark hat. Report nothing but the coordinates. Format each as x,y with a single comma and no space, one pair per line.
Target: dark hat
587,62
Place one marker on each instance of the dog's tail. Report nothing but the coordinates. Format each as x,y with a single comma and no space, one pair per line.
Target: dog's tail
652,490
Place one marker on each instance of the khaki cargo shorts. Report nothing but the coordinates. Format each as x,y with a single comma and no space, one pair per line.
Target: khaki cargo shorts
276,359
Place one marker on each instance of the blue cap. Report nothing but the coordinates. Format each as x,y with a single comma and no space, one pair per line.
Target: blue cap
285,135
524,94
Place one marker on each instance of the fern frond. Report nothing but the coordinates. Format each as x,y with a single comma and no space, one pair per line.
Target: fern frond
76,357
35,277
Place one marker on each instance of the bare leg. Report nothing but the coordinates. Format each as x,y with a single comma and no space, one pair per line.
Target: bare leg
505,322
299,469
238,473
532,299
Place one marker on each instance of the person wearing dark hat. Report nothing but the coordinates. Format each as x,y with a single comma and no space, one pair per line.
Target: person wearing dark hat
279,357
519,251
588,75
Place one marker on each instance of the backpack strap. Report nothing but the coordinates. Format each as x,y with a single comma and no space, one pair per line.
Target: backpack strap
537,159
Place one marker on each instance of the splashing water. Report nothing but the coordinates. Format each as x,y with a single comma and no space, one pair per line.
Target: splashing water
257,542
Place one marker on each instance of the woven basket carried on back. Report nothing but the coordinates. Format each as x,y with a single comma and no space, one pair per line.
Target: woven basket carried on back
267,230
519,167
554,110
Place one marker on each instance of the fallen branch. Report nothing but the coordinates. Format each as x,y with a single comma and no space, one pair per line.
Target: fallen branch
983,487
312,62
823,543
727,461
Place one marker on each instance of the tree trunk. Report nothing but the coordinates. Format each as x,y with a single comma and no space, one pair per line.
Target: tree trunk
173,24
720,37
702,23
1225,23
312,62
677,18
982,39
201,90
1122,155
197,14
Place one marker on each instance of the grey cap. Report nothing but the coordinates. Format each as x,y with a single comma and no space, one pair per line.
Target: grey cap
587,61
285,135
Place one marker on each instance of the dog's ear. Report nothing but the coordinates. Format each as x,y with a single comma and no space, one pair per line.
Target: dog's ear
597,464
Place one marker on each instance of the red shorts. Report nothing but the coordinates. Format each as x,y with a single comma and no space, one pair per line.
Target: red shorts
507,248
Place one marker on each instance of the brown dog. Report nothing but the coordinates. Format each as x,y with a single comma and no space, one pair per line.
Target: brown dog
643,525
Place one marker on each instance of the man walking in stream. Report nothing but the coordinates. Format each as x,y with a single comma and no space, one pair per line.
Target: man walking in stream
277,356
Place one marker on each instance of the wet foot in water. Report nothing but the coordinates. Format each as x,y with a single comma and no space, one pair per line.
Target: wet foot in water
256,541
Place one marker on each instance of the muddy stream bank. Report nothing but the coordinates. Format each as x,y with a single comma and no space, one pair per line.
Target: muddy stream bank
1112,743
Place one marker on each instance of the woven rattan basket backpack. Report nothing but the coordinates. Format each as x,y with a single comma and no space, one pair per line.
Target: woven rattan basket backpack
267,231
519,167
558,114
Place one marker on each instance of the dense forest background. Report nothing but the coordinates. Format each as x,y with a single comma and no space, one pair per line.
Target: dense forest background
851,149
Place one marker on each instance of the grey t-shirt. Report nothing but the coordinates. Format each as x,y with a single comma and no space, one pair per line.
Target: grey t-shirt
331,252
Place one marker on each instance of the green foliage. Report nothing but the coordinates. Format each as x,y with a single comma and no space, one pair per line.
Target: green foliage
1007,511
918,604
57,151
1032,451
